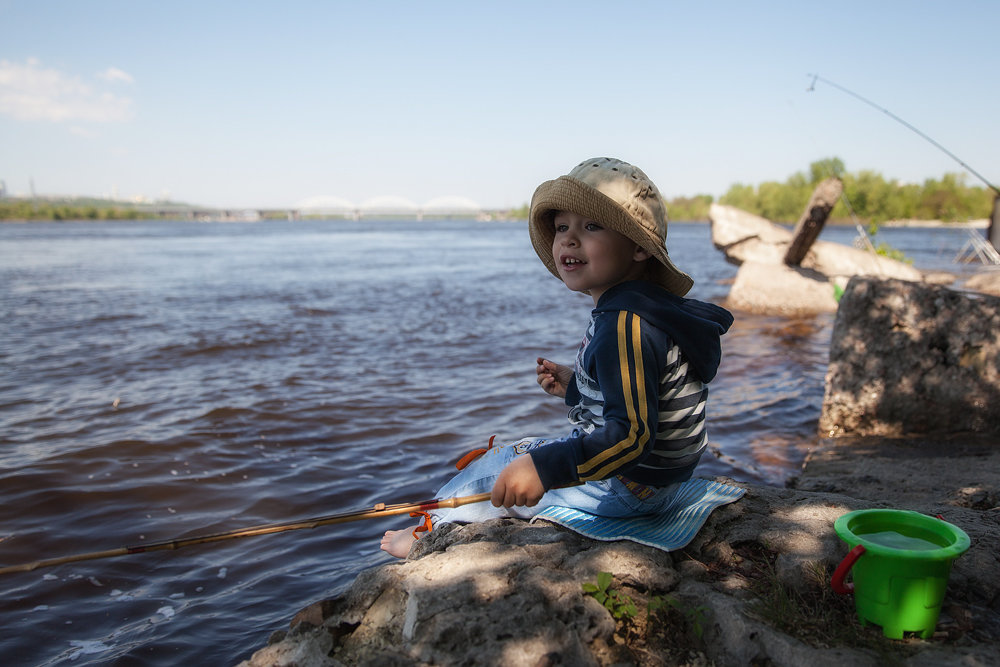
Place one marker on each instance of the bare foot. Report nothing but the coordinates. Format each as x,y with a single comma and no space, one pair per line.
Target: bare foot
398,542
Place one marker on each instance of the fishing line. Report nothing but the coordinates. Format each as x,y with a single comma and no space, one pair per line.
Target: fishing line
812,87
862,241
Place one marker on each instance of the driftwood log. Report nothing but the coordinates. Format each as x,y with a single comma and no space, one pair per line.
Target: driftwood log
823,199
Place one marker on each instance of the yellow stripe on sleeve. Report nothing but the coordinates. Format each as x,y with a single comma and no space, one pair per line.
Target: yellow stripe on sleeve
632,439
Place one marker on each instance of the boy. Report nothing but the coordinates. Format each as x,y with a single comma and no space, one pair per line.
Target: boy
637,393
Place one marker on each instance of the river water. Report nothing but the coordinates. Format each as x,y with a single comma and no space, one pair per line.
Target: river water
171,379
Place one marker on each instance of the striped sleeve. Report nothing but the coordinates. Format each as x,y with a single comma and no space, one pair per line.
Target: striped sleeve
626,416
625,367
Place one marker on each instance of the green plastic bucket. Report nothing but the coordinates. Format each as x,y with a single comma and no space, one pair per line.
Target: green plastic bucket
899,562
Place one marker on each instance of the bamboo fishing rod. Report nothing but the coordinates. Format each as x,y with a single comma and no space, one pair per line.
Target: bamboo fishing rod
379,510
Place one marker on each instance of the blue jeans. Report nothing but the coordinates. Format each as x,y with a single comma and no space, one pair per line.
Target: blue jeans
610,497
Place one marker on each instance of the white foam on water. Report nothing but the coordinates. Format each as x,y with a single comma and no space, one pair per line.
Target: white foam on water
86,648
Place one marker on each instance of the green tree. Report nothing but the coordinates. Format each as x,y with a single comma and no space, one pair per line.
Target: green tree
825,168
520,213
773,200
940,200
869,196
689,208
741,196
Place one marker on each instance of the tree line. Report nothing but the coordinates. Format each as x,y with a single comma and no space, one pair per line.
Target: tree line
869,197
40,209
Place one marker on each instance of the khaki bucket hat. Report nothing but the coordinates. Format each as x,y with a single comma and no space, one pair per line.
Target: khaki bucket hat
618,196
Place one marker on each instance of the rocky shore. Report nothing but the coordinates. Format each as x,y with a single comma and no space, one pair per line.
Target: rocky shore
753,587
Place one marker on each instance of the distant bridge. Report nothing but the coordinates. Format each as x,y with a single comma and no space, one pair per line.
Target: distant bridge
334,207
388,205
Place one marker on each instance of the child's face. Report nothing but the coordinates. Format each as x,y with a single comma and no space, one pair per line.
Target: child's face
591,258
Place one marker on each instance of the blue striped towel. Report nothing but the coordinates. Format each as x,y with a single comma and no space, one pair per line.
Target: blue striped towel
672,529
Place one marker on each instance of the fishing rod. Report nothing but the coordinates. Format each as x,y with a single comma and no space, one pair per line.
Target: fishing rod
812,87
379,510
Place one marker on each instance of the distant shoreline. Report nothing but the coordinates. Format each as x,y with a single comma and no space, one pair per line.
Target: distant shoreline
981,223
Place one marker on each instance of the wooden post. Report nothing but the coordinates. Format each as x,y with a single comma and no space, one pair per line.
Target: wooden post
823,199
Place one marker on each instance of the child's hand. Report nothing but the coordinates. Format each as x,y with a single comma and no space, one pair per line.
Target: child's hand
518,484
553,377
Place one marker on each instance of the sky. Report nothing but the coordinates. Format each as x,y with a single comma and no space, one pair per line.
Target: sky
271,104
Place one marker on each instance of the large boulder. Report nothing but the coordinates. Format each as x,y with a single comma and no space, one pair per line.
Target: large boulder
777,289
908,358
764,284
838,260
745,237
506,592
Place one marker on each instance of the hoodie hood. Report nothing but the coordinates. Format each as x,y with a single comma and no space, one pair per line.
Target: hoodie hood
695,326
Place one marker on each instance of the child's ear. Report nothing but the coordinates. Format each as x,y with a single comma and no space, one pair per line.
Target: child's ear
640,254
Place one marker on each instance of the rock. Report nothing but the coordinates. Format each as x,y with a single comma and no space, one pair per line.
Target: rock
303,649
987,282
765,285
745,237
907,358
939,278
746,642
502,592
914,473
777,289
837,260
509,592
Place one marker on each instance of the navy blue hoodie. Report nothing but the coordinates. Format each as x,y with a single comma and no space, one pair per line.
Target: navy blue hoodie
638,392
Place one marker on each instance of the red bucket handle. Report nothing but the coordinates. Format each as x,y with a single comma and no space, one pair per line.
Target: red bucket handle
837,583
